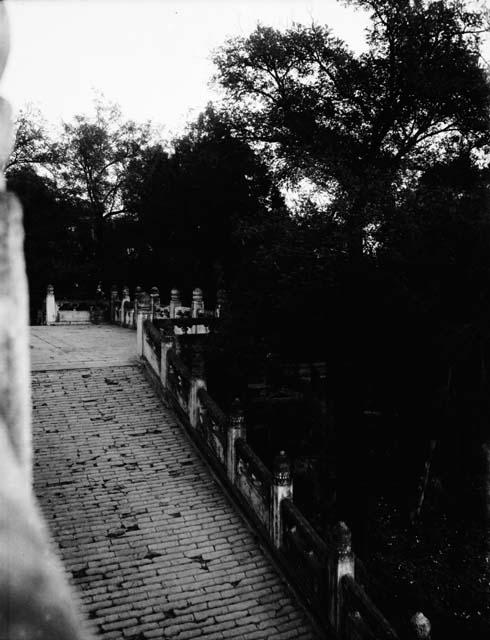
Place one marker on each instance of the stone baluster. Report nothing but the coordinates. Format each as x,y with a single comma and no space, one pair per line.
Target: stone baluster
124,305
137,295
236,429
282,488
197,307
174,302
197,382
168,342
143,313
51,307
114,301
420,627
342,563
155,301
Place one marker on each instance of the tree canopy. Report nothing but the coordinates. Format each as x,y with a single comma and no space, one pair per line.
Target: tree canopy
362,127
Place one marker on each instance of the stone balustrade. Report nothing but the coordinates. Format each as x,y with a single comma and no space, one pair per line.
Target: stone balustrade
323,571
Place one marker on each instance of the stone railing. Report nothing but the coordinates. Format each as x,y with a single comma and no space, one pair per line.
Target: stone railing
192,319
71,310
322,571
35,598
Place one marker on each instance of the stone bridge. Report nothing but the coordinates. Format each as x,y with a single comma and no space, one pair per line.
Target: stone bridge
147,533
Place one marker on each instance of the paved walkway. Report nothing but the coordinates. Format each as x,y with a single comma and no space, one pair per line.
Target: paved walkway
148,537
81,346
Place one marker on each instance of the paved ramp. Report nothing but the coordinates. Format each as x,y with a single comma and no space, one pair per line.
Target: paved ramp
145,532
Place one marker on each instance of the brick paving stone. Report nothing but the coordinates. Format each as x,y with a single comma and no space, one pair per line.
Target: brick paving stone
149,540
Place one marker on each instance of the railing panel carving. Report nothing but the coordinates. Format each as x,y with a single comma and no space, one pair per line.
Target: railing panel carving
306,553
212,424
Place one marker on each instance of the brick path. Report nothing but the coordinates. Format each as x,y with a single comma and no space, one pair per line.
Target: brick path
146,534
77,347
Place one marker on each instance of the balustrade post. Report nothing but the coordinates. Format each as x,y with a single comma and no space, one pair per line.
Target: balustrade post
155,301
174,302
197,382
197,307
282,488
236,429
113,307
342,563
421,627
124,302
142,313
137,295
51,310
168,342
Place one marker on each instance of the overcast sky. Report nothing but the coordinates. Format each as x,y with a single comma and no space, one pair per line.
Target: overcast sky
150,56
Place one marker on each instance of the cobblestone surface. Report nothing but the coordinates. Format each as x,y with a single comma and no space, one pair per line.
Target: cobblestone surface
146,534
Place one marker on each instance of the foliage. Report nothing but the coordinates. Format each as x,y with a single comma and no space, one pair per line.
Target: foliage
361,127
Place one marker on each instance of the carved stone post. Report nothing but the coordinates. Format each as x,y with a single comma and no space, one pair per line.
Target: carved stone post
197,307
51,309
114,298
174,302
236,429
142,313
421,627
197,382
168,342
137,295
282,488
342,563
124,304
155,301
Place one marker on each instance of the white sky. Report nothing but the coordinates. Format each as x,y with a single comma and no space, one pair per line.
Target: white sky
150,56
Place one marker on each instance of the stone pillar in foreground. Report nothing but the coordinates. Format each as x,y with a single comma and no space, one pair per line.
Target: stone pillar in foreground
51,309
282,488
236,429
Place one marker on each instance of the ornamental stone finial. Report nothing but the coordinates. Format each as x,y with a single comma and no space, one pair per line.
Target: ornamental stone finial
144,301
421,626
344,539
197,295
237,417
282,469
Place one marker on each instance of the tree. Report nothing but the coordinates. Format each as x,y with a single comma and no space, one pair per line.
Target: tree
362,127
203,206
32,144
95,155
